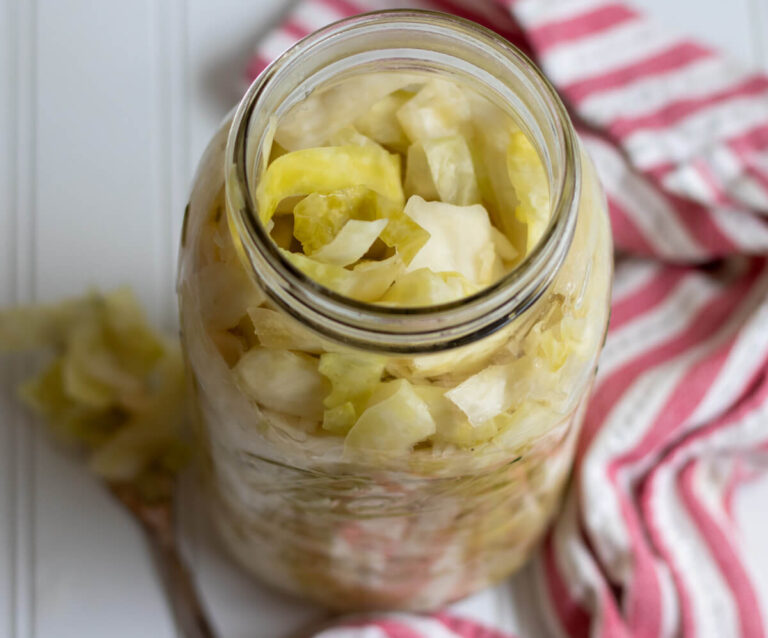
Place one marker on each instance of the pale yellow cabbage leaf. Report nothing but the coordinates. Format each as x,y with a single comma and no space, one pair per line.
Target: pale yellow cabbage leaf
529,180
352,242
460,240
353,377
319,217
394,424
381,123
283,381
327,169
367,281
442,169
439,109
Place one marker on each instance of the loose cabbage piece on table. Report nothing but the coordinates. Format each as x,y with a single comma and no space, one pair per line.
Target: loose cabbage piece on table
114,386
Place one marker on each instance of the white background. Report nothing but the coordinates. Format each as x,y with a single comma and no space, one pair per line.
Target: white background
105,106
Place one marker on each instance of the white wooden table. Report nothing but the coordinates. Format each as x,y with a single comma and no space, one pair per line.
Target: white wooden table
105,107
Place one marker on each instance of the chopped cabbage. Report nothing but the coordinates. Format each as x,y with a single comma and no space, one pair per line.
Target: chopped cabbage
353,377
460,240
320,217
524,425
276,330
326,169
439,109
529,180
442,169
43,326
492,390
339,419
453,427
424,287
226,294
152,434
381,124
367,281
394,424
329,109
114,387
283,381
492,130
351,243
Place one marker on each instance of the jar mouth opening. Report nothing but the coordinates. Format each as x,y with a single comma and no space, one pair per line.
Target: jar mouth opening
367,325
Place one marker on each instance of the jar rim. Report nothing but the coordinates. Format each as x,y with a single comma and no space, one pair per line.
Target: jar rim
373,327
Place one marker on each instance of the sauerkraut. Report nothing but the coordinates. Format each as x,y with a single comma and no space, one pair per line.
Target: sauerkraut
363,479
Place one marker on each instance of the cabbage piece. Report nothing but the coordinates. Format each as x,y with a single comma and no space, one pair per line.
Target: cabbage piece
109,352
453,427
226,293
569,336
394,424
493,130
381,124
68,419
418,176
442,169
149,435
367,281
283,381
460,240
29,327
439,109
352,242
91,372
529,180
328,169
423,287
339,419
350,136
329,109
115,387
353,377
523,426
319,218
493,390
276,330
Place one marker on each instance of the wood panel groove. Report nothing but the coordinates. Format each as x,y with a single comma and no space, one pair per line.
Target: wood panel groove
24,291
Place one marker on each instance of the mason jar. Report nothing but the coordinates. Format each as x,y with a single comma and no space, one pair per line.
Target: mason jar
463,508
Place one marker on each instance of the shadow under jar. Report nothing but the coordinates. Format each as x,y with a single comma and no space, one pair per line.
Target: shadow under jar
385,527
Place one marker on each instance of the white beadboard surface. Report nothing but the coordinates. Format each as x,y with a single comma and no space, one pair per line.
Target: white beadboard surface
104,109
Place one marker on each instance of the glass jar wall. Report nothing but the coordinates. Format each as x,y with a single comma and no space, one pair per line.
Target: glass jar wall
400,517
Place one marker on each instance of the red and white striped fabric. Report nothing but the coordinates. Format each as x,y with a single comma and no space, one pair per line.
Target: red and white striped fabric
645,546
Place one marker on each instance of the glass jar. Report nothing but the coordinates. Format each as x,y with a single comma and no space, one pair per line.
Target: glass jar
465,507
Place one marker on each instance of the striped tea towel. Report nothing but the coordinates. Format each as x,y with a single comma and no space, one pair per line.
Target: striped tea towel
645,545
